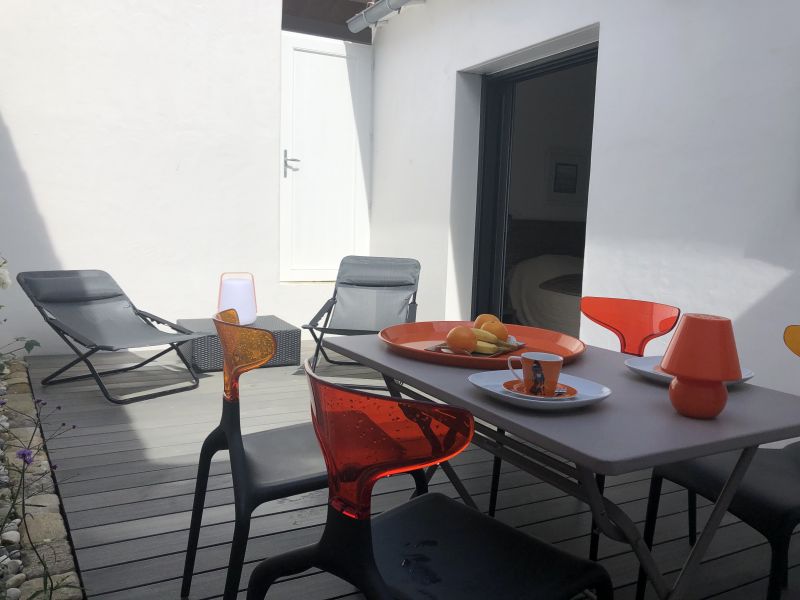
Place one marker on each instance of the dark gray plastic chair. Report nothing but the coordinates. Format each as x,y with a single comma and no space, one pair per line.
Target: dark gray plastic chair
266,465
431,547
89,309
767,499
371,292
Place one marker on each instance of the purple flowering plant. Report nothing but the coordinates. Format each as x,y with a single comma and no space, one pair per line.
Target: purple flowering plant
26,454
28,481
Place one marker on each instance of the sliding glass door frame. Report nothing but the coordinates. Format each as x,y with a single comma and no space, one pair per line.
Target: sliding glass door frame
494,174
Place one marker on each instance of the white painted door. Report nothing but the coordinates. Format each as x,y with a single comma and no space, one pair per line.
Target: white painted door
326,132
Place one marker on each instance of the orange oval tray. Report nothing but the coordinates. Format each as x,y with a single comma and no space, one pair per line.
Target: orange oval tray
411,339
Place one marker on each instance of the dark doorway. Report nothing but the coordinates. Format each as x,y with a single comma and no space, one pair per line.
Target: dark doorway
536,140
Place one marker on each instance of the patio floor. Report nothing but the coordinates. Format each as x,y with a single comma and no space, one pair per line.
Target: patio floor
126,475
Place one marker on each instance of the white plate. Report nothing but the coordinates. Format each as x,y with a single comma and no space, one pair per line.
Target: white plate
589,392
646,367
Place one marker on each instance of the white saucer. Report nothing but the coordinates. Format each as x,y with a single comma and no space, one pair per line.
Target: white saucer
646,367
589,392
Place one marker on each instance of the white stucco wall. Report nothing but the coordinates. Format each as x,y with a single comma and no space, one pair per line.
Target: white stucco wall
694,197
142,138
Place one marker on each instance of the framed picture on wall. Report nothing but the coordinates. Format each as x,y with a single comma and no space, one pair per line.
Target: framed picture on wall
567,176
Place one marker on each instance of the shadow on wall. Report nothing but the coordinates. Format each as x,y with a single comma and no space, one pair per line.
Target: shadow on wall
745,269
763,323
24,242
362,112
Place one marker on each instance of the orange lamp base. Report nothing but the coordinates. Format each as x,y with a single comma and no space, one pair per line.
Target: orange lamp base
698,399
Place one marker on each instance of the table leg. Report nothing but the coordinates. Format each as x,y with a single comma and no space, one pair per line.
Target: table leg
393,387
720,507
594,532
458,484
613,522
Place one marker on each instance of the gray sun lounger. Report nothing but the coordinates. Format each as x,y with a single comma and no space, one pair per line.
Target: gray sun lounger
89,309
371,292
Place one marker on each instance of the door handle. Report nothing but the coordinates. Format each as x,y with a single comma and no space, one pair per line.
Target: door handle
286,166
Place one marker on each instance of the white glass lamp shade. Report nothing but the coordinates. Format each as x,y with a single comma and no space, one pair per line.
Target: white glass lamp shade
238,291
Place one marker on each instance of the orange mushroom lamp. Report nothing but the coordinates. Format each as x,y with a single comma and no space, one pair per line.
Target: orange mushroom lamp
702,356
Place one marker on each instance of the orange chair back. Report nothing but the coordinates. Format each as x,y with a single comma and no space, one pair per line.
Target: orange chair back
365,437
243,349
635,322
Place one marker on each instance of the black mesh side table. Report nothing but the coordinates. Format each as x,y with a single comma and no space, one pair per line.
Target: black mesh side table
205,353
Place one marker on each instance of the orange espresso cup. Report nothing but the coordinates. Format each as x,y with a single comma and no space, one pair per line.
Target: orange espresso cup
540,372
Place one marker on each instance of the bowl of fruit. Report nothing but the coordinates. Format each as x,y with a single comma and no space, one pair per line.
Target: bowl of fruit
485,343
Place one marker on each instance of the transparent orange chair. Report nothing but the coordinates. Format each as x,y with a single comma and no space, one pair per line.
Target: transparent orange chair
635,322
265,466
767,499
431,546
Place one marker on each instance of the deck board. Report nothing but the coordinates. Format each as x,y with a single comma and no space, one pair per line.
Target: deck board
126,474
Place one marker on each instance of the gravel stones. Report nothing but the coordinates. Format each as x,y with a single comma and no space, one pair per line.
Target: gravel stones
69,587
58,555
13,566
41,503
9,537
43,527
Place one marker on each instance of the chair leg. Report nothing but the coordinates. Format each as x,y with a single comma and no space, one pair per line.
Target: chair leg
98,375
692,513
497,464
368,581
317,349
238,547
779,567
594,536
340,363
420,482
213,443
649,528
267,571
81,357
604,590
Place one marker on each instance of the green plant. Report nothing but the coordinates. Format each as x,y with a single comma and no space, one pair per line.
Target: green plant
12,349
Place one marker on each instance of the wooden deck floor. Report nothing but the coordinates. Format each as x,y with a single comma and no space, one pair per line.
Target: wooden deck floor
126,474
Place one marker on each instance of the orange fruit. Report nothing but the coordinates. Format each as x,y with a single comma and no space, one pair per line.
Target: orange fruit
497,328
461,339
480,320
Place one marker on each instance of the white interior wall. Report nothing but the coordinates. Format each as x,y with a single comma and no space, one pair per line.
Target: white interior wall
694,197
142,138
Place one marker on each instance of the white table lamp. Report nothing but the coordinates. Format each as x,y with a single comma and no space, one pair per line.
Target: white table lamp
238,291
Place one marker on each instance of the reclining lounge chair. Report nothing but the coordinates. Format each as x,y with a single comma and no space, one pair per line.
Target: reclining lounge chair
371,292
89,309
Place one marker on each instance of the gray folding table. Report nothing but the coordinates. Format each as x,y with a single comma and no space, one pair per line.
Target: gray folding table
634,428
